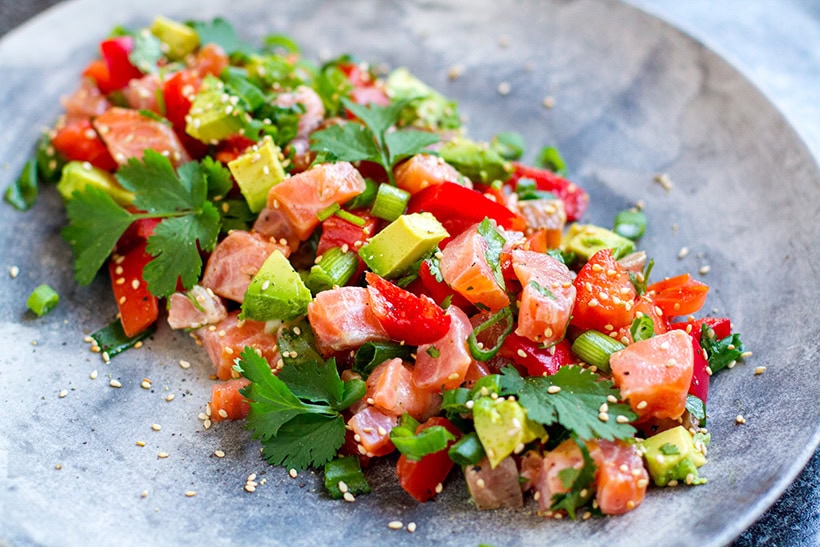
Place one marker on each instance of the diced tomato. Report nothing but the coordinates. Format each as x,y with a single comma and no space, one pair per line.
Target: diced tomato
421,478
721,325
338,232
423,170
235,261
127,134
700,375
225,340
604,295
403,315
97,71
342,319
533,358
655,374
372,427
358,76
547,297
466,270
435,289
138,232
458,208
575,198
138,308
679,295
301,197
444,363
115,52
78,141
391,388
178,92
232,147
225,397
621,478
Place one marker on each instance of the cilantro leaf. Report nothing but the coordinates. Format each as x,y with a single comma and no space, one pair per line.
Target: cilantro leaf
217,176
578,481
721,353
495,244
347,142
96,222
296,433
575,406
221,32
175,246
308,440
146,53
403,144
157,187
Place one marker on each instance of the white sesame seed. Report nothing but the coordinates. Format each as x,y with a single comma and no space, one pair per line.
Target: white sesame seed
548,102
293,473
140,443
439,488
455,71
184,364
219,453
190,494
759,370
223,413
740,419
348,497
342,487
704,269
156,427
14,271
504,88
621,419
63,393
170,397
683,252
553,389
395,525
411,527
162,455
250,488
146,383
114,383
641,405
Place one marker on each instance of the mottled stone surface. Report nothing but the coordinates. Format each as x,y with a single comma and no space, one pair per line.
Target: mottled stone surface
633,96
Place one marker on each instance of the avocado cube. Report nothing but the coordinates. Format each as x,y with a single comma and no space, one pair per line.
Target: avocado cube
404,241
214,115
179,39
257,171
475,160
276,292
502,426
587,239
672,455
77,175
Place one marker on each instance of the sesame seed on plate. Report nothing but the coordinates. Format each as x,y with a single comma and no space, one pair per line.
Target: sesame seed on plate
114,383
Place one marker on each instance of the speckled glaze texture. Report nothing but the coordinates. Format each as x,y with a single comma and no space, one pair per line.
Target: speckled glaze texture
633,98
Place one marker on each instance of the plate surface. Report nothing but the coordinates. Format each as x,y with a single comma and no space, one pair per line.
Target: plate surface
634,98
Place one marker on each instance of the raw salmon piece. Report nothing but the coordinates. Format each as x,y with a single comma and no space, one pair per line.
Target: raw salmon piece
392,390
314,108
465,268
195,309
226,340
547,297
341,319
127,134
235,261
444,363
423,170
302,196
621,478
654,374
226,401
372,429
492,488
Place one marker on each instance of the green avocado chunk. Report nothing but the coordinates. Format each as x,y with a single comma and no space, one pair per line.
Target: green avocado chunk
257,171
587,239
78,175
213,115
277,292
672,455
475,160
404,241
502,427
179,39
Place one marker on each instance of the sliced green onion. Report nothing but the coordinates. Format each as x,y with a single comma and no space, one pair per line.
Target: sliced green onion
334,270
454,401
42,300
372,354
22,193
350,217
630,224
642,328
328,211
486,385
390,202
480,353
595,348
551,158
111,339
366,198
527,189
467,450
348,472
697,409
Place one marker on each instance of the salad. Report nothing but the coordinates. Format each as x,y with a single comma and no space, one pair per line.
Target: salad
371,282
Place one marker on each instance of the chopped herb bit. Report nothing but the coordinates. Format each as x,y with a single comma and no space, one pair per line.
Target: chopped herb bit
550,158
42,300
112,339
642,328
668,449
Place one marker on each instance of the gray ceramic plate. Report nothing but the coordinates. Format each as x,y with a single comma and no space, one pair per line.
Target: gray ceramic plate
633,97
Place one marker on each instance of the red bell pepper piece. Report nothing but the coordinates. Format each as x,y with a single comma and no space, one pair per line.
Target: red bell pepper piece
178,92
458,208
338,232
700,377
403,315
437,290
421,478
536,360
574,197
78,141
139,309
115,52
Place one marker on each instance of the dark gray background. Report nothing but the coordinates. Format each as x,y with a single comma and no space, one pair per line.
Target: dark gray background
778,47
